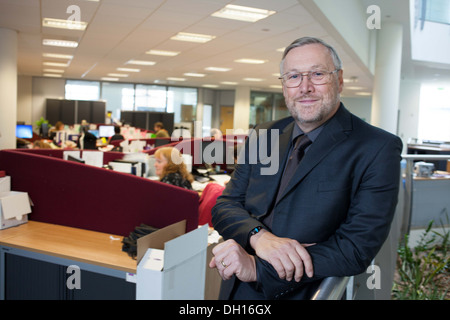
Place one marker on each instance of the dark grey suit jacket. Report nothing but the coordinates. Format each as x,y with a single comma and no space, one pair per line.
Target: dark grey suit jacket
342,197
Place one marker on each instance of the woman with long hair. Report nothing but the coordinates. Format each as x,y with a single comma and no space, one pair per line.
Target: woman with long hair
170,168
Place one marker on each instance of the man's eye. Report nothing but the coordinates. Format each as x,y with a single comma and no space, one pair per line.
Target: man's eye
318,74
293,76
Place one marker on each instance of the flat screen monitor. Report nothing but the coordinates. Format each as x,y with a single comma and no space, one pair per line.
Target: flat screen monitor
105,131
95,133
24,131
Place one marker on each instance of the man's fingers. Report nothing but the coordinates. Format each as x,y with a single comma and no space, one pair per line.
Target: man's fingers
306,261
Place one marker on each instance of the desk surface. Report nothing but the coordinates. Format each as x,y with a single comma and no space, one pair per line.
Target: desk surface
70,243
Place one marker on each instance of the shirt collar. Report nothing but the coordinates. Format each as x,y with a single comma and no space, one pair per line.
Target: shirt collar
311,135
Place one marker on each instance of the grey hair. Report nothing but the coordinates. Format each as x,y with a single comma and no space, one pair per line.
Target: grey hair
311,40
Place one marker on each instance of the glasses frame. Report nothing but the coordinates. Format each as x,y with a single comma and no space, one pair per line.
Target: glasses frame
308,75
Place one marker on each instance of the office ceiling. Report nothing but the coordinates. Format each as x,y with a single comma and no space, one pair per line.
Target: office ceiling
121,30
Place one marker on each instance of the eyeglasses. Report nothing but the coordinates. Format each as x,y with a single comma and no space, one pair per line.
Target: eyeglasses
318,77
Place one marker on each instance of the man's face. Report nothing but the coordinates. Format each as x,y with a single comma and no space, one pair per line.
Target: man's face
312,105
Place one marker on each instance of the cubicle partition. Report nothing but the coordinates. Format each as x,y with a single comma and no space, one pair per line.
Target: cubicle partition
83,196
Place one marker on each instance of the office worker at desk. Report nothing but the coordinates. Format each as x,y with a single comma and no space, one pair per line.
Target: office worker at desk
333,215
170,168
87,140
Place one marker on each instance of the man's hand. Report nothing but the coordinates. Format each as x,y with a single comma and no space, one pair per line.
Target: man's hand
230,258
289,258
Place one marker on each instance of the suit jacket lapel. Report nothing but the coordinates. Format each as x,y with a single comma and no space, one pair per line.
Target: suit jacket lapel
332,134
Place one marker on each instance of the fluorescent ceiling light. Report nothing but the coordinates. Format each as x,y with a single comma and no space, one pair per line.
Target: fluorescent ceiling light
176,79
142,62
110,79
217,69
276,86
120,75
354,88
162,53
60,43
128,70
64,24
210,86
191,74
281,49
57,56
52,75
363,93
192,37
250,61
55,64
253,79
54,70
242,13
230,83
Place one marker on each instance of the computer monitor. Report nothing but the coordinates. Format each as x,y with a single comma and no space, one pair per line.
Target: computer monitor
24,131
95,133
105,131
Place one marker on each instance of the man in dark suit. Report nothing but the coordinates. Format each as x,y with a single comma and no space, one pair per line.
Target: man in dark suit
335,212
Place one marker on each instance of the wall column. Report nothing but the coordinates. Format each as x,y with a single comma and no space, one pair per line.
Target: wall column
8,88
242,109
386,89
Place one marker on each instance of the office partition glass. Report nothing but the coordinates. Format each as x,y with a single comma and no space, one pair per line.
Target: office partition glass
151,98
183,103
279,107
82,90
266,106
118,97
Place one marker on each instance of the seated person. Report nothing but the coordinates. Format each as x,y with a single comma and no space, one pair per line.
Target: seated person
170,168
160,132
117,135
58,134
87,140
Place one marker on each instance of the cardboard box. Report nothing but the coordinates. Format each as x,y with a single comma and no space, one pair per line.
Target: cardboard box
172,264
14,208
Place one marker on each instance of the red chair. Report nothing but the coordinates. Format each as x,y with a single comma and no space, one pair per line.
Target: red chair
207,201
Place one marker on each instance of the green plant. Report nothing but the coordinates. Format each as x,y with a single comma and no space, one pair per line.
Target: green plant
423,271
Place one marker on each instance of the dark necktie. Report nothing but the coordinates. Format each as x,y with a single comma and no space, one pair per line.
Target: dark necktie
301,143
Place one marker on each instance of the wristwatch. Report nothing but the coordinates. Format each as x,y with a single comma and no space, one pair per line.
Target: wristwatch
255,230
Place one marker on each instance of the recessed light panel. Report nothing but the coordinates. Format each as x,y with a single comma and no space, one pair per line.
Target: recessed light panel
191,74
242,13
64,24
251,61
162,53
217,69
57,56
128,69
60,43
142,62
192,37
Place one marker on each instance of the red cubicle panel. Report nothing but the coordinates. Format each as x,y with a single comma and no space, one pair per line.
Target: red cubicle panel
82,196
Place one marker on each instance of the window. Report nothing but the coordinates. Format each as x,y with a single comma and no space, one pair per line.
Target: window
434,113
433,10
183,103
118,97
151,98
82,90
